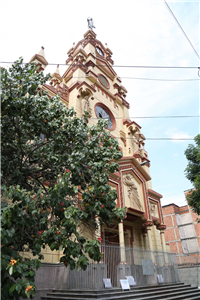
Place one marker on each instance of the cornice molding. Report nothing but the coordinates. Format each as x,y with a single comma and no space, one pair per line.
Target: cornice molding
155,194
128,123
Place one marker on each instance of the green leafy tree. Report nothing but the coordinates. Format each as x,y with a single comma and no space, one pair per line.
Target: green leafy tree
193,173
55,172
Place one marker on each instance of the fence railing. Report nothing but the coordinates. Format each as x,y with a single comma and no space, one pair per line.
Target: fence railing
142,264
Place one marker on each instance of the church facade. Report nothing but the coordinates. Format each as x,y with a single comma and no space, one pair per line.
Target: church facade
90,83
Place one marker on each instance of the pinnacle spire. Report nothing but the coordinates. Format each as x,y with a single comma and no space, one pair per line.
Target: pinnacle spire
41,52
57,71
40,60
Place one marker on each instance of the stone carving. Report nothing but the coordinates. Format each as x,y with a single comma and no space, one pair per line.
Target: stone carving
132,192
85,104
153,209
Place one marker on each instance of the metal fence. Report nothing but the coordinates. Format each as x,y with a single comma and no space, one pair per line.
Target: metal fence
142,264
189,268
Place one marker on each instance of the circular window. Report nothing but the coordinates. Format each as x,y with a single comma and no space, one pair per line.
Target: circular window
99,51
103,81
103,112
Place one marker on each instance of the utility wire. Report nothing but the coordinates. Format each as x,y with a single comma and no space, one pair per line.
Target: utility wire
135,78
155,117
117,66
158,139
181,29
156,79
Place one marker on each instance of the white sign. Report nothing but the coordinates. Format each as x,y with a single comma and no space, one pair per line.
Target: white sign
160,278
131,280
107,282
124,284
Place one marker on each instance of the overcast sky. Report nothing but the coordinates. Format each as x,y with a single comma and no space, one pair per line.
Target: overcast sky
139,33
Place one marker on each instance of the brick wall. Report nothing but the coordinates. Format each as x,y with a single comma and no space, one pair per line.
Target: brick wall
176,220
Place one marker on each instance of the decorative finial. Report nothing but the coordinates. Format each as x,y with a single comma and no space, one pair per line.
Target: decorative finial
41,52
57,70
90,23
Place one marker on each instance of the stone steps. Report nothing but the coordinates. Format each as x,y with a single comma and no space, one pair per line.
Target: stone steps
153,292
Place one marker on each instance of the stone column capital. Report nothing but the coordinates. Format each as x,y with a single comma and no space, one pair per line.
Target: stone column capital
161,227
147,223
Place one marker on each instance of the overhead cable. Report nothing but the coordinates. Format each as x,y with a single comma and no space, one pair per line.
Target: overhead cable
159,79
181,29
158,139
156,79
117,66
155,117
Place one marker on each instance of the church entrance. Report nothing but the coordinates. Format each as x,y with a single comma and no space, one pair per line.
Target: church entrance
111,251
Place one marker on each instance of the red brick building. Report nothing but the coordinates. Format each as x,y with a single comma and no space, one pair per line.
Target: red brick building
182,232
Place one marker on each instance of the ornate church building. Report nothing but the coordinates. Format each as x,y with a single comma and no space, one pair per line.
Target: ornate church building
90,83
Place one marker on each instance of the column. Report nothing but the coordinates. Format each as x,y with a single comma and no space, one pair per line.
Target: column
162,235
147,228
121,242
149,235
149,238
162,227
144,232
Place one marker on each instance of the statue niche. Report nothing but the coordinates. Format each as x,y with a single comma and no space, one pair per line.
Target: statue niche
132,192
85,104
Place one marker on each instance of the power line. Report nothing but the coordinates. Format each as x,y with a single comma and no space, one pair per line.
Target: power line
156,79
116,66
159,139
169,139
181,29
156,117
135,78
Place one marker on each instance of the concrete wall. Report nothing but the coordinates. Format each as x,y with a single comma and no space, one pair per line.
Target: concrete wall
57,277
190,275
49,277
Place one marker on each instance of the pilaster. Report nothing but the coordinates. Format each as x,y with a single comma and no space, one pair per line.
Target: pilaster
121,243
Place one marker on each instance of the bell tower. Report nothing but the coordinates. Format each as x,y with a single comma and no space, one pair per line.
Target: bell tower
90,83
90,74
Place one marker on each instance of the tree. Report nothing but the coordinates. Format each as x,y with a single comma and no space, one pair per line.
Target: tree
193,173
55,171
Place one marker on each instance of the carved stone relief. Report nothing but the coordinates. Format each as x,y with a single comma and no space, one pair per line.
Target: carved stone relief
132,192
153,210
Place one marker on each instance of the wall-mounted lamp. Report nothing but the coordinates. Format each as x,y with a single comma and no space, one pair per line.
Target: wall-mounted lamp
142,164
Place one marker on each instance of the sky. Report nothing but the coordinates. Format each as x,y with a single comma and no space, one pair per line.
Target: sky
139,33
